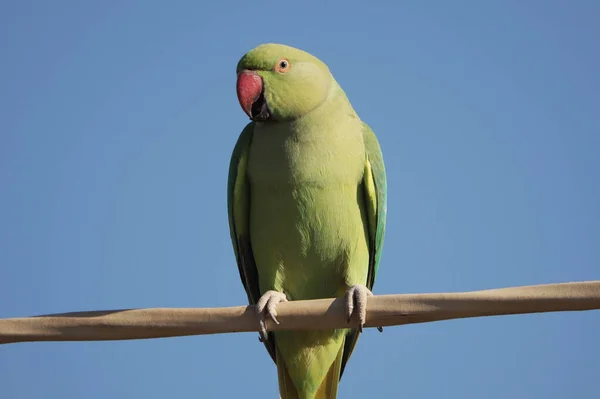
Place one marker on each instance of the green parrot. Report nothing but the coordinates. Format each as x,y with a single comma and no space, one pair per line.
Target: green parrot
307,203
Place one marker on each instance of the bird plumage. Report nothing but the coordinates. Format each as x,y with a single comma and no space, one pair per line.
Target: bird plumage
307,208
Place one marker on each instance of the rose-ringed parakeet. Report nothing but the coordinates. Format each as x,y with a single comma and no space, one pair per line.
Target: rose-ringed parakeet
307,208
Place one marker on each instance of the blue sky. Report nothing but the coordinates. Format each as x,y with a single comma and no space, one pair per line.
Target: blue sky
117,120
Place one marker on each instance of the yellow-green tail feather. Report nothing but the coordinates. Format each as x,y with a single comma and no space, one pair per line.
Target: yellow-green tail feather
328,388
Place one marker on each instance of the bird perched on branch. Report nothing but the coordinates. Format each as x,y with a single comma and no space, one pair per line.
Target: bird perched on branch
307,209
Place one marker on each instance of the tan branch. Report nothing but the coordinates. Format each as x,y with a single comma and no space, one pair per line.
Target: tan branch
383,310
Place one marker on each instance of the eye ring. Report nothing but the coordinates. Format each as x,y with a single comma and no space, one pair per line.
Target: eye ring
283,65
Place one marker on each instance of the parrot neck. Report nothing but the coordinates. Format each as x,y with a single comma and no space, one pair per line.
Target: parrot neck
333,119
336,107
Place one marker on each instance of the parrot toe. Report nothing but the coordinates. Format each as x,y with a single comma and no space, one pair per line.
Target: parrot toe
356,299
267,306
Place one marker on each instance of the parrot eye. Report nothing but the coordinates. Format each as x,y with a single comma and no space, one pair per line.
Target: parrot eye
282,66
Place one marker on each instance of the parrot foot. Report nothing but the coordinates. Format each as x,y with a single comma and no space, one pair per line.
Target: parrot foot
357,296
267,306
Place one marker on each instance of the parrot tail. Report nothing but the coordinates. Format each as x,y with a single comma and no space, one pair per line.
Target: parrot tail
328,388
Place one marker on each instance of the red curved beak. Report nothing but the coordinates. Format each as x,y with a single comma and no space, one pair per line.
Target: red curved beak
249,87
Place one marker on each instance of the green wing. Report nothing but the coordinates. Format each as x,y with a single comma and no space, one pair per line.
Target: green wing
375,193
238,209
376,198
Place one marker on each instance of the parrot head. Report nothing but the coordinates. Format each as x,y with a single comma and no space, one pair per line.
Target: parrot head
277,83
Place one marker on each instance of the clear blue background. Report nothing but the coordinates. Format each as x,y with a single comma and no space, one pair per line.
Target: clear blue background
117,120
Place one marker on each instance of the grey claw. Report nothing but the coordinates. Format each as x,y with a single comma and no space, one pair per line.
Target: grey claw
349,303
263,335
356,299
268,304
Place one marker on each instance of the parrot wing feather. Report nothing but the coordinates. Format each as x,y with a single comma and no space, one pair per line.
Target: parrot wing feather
376,198
375,191
238,209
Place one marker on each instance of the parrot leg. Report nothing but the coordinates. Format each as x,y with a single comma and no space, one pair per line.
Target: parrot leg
356,297
267,306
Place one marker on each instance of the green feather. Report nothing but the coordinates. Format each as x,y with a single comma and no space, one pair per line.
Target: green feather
377,232
307,208
238,210
374,186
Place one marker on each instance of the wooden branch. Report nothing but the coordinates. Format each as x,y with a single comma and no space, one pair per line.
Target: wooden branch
382,310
